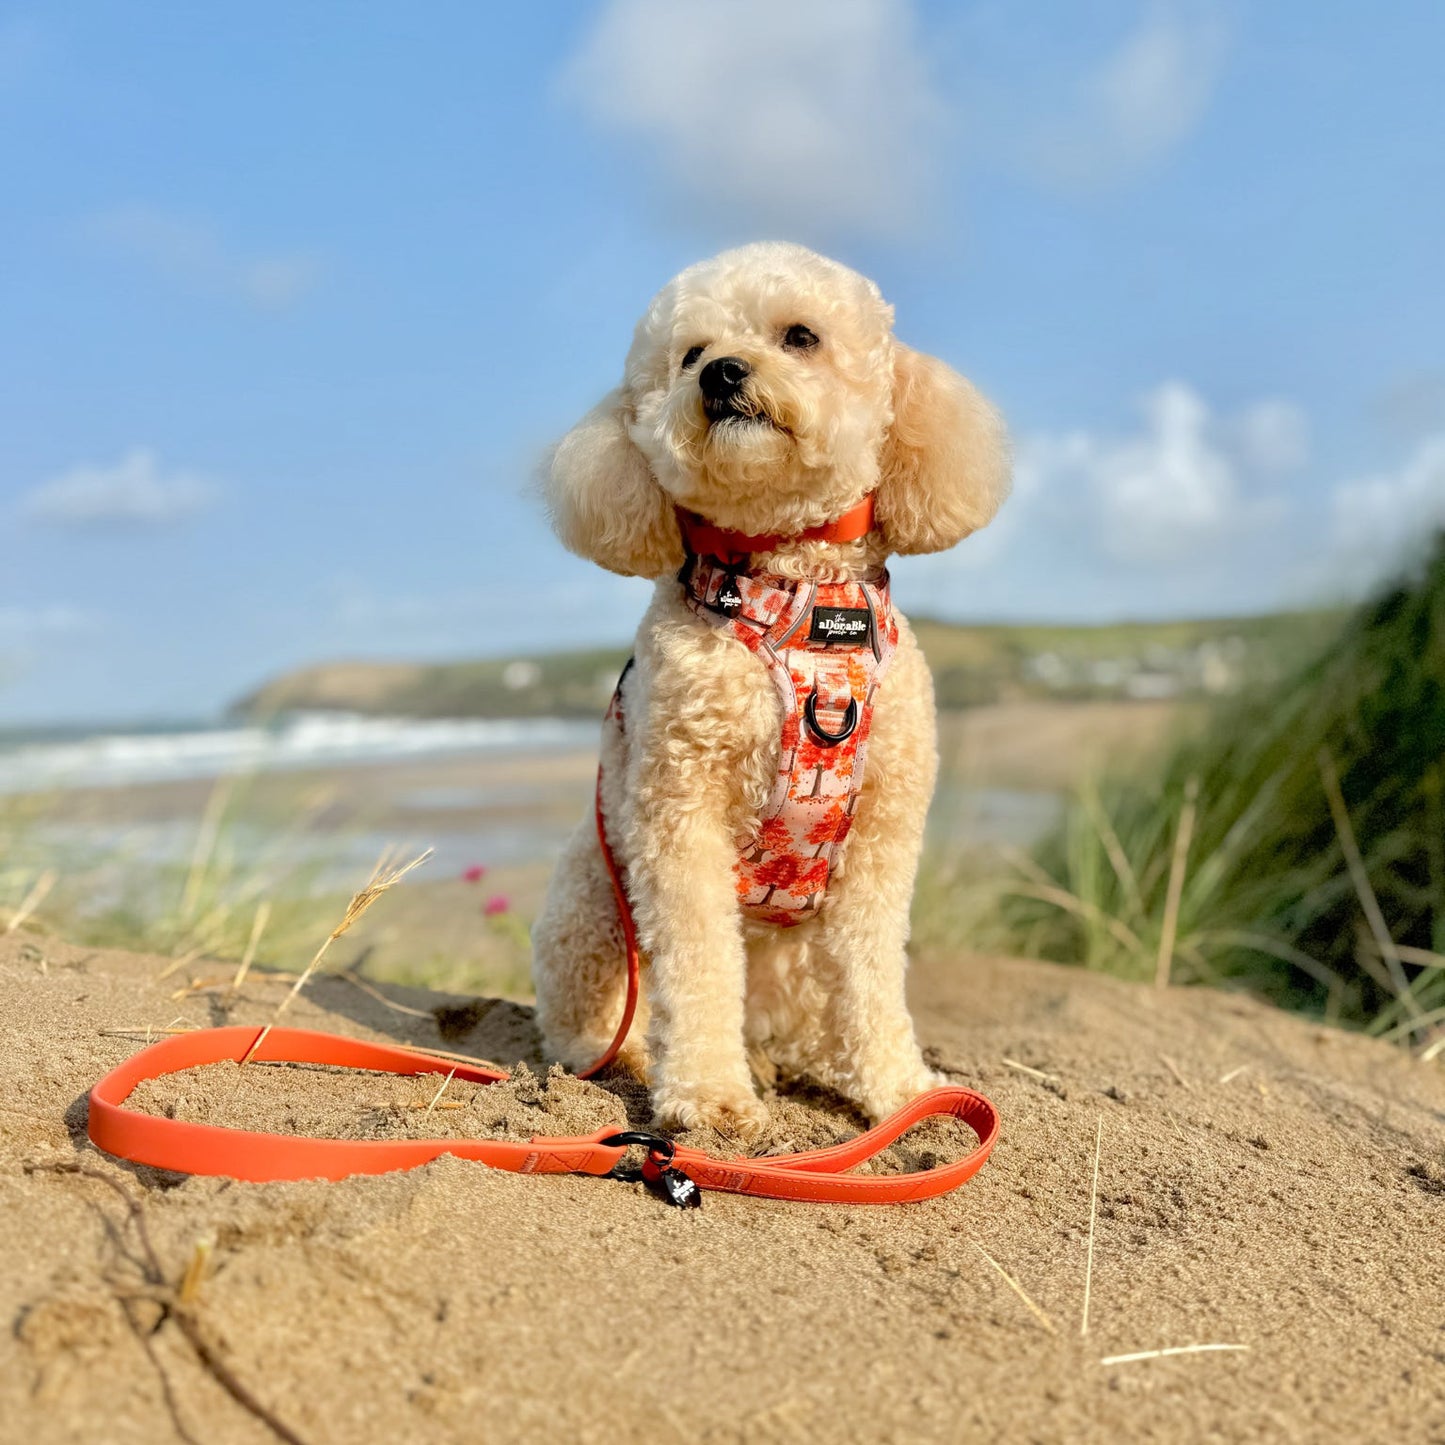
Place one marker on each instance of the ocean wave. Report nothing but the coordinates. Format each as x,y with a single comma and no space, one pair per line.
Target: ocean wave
302,740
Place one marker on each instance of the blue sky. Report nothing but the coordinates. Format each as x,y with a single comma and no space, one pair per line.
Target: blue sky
292,297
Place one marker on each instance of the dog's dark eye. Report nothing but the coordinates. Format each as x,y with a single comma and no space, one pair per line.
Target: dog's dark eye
799,338
692,354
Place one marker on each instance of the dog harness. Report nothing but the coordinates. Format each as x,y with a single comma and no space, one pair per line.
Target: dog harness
827,647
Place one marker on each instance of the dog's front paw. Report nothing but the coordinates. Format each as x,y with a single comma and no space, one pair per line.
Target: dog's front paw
736,1113
887,1096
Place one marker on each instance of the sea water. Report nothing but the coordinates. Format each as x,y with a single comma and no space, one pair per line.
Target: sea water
114,757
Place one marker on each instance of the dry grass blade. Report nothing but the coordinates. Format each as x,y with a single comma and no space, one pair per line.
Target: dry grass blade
1177,864
143,1031
206,837
39,890
1174,1069
1421,1021
1197,1145
1072,903
258,927
1232,1074
352,977
1172,1350
195,1275
1355,862
1031,1072
1420,957
1093,1217
1017,1288
437,1097
1113,848
384,877
184,960
467,1060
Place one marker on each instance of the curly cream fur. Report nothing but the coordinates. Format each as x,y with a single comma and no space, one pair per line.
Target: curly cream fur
724,997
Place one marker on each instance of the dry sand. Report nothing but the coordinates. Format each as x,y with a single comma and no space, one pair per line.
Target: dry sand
1262,1182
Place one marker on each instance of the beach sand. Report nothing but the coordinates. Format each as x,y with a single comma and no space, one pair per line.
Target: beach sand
1262,1181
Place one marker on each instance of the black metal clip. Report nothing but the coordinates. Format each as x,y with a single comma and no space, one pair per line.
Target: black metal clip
658,1146
674,1186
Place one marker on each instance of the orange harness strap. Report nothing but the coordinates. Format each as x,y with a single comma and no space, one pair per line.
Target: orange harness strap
705,539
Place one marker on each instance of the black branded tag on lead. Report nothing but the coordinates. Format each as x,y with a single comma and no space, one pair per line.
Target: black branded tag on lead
678,1189
841,624
729,599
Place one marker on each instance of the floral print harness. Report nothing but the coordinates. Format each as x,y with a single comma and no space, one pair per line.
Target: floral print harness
827,646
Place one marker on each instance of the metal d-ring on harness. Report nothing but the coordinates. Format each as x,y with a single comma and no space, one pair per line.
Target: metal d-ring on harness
830,740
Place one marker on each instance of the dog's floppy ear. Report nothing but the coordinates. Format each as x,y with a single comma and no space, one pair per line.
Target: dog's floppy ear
604,502
944,467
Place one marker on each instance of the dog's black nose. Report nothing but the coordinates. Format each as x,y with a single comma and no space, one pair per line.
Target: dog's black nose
721,380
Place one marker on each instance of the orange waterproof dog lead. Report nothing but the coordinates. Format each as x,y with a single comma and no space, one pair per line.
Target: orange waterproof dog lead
260,1158
816,1175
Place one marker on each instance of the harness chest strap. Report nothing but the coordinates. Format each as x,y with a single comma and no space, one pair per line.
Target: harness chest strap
826,648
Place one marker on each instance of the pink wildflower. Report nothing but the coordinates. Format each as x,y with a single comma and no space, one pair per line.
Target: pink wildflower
475,873
498,903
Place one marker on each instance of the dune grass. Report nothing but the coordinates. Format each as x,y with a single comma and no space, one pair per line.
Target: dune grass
1294,845
256,888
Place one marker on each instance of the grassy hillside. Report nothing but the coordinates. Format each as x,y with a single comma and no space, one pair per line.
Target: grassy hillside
1200,658
971,665
560,684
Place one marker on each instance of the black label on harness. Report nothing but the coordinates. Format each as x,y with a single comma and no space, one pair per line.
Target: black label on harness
840,624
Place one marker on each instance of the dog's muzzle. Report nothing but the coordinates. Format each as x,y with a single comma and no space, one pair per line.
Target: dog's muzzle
722,383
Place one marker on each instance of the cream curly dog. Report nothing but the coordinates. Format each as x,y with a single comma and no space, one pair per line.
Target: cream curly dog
764,392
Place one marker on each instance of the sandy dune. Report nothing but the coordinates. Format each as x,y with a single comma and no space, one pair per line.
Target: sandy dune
1262,1182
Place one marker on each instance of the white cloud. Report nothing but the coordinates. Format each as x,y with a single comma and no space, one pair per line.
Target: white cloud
1140,103
1413,404
1381,522
134,491
193,254
1186,480
799,115
1272,436
1179,515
